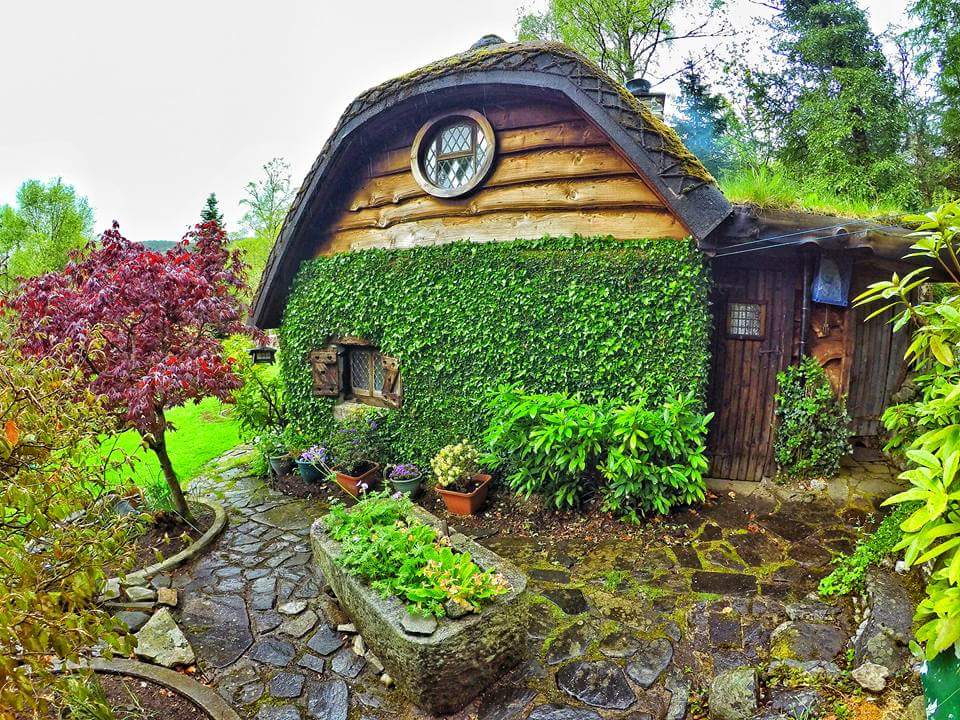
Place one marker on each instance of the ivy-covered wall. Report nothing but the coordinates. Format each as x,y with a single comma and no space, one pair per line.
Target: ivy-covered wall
595,316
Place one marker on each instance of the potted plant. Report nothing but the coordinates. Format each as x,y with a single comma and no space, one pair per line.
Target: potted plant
312,463
275,450
405,478
351,447
459,482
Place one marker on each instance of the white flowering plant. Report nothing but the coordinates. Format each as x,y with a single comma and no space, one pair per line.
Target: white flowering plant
455,464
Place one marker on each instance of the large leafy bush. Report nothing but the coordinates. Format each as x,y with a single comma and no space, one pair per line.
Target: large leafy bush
58,529
639,456
929,427
591,316
812,423
385,544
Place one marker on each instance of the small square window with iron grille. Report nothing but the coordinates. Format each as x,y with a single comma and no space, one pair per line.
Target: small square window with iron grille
745,320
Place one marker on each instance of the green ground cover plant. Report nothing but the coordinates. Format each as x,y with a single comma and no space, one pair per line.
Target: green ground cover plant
813,427
641,456
599,317
398,555
851,570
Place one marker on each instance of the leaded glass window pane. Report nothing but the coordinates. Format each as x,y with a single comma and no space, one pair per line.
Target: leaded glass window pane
456,139
743,320
377,373
360,369
455,154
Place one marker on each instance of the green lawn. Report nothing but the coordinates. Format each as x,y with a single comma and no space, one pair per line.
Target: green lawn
204,431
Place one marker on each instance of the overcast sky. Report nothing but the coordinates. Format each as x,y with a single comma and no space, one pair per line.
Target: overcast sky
148,107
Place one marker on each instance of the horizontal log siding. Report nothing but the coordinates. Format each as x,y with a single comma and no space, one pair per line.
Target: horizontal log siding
555,174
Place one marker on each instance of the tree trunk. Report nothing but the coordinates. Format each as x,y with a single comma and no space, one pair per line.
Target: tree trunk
159,446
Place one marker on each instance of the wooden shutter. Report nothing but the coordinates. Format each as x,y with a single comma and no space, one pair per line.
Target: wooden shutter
326,372
391,381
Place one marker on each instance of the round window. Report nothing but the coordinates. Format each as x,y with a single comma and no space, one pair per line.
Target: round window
453,153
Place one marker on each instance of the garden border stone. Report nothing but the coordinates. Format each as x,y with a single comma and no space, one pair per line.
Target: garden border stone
443,671
143,575
205,698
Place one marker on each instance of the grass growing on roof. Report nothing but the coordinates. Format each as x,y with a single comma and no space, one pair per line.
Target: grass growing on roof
772,188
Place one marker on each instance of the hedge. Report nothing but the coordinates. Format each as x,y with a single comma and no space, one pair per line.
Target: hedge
600,317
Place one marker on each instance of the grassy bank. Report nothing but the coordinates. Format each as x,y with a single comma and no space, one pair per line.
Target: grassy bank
203,432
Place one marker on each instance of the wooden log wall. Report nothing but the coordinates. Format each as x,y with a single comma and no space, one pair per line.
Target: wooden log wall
554,174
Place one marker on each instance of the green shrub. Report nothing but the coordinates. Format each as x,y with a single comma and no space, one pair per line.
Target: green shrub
641,458
354,441
384,544
813,428
590,316
851,569
259,404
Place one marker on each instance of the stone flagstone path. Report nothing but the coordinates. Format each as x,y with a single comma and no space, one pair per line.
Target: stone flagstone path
621,629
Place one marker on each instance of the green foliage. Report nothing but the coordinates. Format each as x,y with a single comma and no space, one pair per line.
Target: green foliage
931,533
813,428
851,569
703,121
590,316
267,200
641,458
211,210
355,441
386,545
454,464
770,186
49,221
258,405
834,103
58,531
624,37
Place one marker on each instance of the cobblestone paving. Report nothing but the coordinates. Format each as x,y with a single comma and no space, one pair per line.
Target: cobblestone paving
621,629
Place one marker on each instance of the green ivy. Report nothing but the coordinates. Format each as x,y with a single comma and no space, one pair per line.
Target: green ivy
598,317
813,427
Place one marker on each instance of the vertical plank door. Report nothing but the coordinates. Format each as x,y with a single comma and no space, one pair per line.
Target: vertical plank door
744,372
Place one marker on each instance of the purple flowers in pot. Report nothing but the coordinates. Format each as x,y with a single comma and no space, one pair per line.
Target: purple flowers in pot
404,471
316,455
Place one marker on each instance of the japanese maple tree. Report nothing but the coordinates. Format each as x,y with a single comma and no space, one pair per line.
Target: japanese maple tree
143,326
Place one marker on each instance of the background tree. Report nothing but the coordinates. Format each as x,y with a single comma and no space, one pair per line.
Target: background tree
143,326
268,199
936,38
211,211
48,222
625,37
835,100
704,120
58,530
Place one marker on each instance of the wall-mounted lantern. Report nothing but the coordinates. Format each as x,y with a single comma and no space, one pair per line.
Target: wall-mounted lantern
263,355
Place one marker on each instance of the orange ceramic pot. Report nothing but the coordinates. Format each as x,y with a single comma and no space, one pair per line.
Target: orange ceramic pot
351,484
459,503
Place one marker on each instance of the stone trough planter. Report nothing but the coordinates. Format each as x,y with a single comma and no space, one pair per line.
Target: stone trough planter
440,672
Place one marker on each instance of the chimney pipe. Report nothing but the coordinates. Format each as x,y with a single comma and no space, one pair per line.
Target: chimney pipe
655,102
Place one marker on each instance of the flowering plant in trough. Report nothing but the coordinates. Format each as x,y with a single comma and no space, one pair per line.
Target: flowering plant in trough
142,326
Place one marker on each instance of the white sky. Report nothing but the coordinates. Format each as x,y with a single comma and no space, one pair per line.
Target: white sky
147,108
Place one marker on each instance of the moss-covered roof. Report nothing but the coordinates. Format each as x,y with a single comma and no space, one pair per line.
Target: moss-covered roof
653,147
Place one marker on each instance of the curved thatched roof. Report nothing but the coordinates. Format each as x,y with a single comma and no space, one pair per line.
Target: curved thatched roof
651,146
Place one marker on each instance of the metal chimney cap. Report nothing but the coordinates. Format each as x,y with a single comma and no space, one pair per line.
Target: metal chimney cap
638,86
487,41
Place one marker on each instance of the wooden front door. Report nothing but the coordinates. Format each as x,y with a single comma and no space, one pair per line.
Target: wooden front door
755,321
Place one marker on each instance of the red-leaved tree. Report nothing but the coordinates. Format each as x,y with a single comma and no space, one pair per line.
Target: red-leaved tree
143,326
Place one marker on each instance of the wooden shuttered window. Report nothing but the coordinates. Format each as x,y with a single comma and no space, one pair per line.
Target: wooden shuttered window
326,372
391,381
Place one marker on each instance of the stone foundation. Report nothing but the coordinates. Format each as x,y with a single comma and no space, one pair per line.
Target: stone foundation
441,672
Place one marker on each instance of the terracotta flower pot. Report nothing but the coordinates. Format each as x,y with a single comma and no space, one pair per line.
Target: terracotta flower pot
351,484
459,503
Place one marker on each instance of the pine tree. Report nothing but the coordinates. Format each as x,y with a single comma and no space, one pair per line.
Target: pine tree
703,119
834,100
211,211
